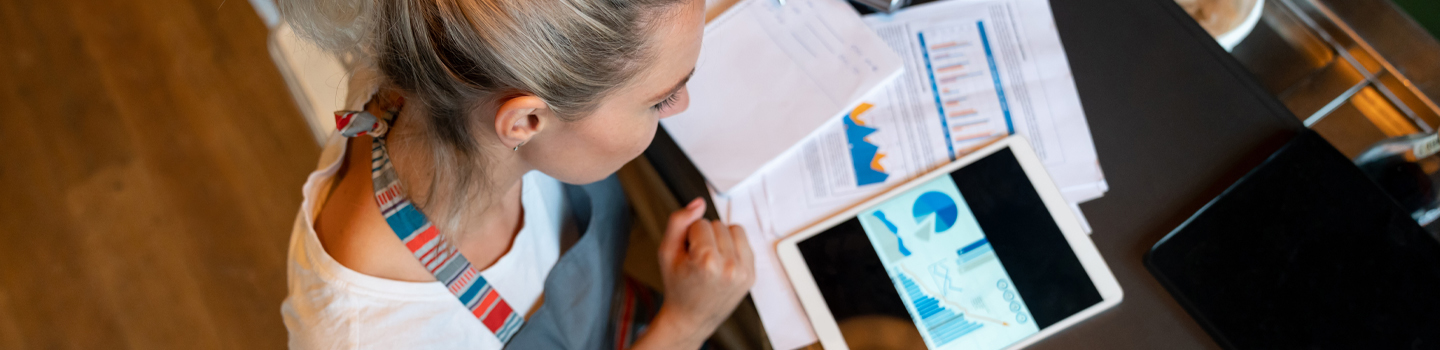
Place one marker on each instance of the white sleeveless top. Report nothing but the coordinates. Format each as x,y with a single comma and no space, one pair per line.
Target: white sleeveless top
333,307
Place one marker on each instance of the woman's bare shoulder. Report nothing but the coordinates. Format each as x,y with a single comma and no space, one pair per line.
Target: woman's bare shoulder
352,231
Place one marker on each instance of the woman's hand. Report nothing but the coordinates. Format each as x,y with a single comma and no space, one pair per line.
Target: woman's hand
707,267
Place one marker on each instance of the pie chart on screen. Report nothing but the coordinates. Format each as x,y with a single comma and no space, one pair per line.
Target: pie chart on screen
938,204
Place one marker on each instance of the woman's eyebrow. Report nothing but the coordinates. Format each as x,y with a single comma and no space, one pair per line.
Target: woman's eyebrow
677,87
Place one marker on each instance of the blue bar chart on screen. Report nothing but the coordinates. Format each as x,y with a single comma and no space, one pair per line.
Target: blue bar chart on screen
943,324
945,270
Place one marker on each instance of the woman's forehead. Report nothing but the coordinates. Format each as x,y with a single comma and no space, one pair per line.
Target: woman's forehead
675,44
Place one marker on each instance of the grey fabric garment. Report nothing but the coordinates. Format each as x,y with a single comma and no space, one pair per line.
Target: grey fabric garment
576,313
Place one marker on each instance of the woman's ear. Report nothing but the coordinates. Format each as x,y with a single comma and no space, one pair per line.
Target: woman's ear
519,118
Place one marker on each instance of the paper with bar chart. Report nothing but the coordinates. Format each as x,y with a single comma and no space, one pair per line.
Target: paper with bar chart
956,289
975,71
965,82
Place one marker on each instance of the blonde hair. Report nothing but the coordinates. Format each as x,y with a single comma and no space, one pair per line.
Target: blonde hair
455,55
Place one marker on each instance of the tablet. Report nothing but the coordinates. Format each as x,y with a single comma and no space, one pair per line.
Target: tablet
1306,252
982,253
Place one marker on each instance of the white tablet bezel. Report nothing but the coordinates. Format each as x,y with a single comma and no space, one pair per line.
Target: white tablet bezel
819,313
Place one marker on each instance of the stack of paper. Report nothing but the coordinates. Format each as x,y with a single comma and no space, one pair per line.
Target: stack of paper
974,71
771,75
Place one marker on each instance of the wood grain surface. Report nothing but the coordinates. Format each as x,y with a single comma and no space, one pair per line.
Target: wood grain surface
152,159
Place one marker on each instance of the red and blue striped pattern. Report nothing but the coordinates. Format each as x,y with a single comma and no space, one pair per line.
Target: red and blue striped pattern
436,252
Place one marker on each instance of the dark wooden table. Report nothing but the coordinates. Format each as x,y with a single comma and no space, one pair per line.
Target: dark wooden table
1175,120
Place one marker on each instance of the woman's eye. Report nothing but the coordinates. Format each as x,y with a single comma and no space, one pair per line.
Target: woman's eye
666,103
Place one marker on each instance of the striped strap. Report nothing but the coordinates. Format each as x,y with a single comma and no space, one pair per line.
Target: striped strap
424,240
637,306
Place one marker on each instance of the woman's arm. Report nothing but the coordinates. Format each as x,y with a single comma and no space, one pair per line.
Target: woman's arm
707,268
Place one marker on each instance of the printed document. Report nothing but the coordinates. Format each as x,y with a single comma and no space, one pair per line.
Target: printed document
975,71
771,75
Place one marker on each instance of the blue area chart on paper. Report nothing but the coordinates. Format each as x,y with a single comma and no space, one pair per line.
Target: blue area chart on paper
939,205
864,155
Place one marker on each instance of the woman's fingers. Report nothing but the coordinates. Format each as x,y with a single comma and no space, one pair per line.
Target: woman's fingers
675,231
702,237
724,243
742,247
746,257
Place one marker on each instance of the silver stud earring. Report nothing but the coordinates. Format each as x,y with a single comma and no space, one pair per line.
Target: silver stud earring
517,147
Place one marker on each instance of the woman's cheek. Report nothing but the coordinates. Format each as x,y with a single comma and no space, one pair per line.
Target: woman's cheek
647,135
629,141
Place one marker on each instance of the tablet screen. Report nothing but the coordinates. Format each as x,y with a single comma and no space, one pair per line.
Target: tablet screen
973,260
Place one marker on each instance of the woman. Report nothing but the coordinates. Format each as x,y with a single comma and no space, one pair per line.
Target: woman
442,222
